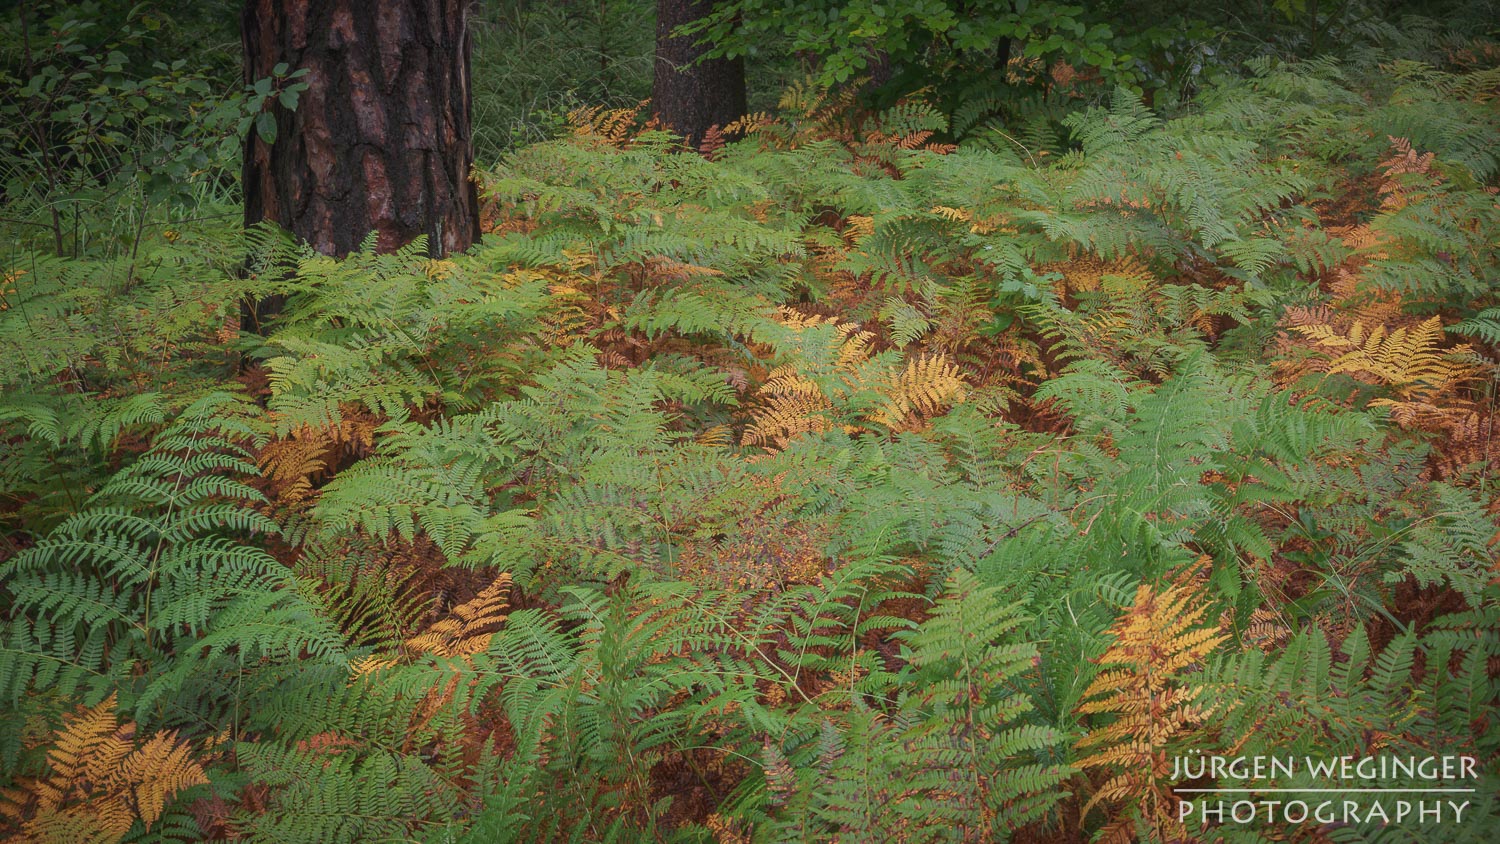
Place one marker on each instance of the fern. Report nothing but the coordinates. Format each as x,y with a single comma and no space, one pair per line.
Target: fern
1321,700
463,633
1407,360
1484,326
148,580
1158,641
824,486
1451,545
101,781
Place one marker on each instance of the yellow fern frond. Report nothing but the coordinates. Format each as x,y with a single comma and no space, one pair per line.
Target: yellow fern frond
439,269
749,124
569,314
1080,275
786,414
8,286
1408,359
371,665
787,381
155,772
953,215
717,436
64,828
856,344
100,781
580,260
468,628
1147,691
927,387
614,126
793,318
858,227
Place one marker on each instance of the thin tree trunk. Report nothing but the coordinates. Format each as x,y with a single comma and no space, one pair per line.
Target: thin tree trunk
1002,56
687,96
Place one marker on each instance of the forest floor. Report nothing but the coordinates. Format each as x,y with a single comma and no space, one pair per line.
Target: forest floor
832,484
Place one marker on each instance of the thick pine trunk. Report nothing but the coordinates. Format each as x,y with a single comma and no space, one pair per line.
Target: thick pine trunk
691,98
380,140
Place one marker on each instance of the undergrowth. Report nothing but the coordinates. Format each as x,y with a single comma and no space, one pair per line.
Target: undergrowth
838,485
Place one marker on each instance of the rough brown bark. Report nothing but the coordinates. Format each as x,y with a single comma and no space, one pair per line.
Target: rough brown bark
380,140
687,97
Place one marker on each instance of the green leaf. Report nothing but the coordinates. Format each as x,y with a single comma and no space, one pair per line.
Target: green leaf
265,127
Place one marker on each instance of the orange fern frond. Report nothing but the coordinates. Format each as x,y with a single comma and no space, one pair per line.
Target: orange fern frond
296,461
468,628
1147,695
100,782
1405,166
613,126
155,772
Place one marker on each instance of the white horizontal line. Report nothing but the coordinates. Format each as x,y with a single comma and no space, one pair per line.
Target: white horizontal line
1325,790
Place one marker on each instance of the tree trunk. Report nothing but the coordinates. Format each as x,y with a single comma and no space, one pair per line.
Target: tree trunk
380,140
687,97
